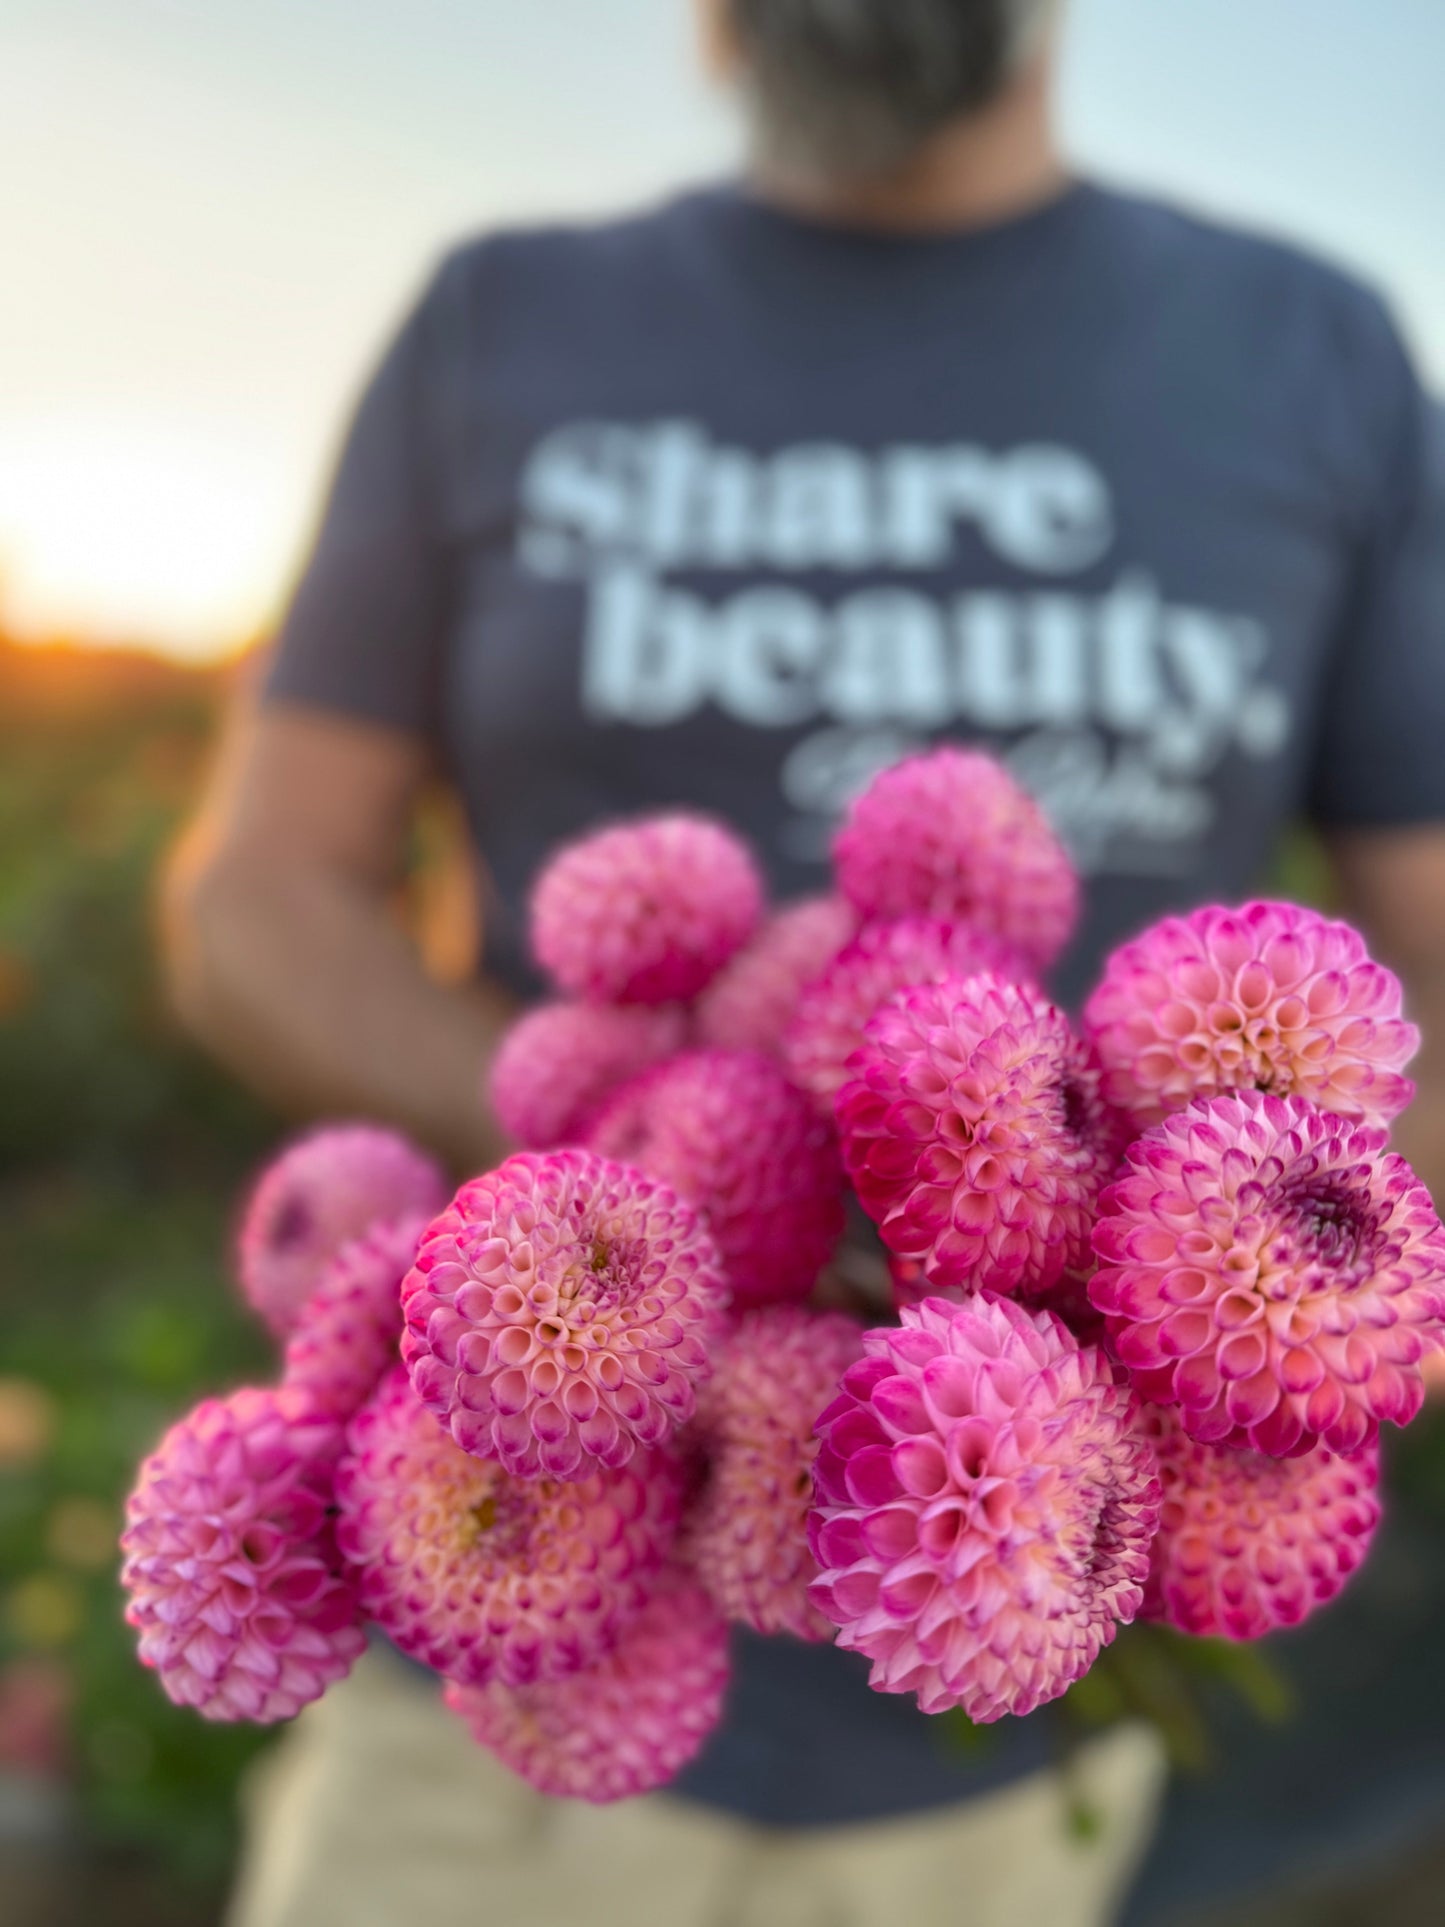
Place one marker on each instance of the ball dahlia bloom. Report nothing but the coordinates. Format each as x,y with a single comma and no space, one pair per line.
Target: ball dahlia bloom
985,1502
645,913
484,1576
1273,1272
965,1137
1248,1543
883,959
630,1723
345,1339
558,1064
559,1313
727,1131
750,1003
747,1534
1270,997
235,1585
952,834
322,1191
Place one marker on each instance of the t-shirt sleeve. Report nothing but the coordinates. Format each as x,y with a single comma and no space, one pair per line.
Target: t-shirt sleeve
1379,754
365,630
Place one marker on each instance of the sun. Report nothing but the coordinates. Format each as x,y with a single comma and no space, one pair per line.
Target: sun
169,535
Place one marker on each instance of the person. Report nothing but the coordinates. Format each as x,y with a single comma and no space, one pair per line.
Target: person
912,433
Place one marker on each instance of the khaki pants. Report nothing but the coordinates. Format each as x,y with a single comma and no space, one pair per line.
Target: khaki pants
378,1810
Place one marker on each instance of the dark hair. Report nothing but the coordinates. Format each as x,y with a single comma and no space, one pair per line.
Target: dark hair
852,87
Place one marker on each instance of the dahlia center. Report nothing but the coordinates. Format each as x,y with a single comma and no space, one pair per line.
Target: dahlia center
499,1524
1103,1539
602,1274
1327,1233
1267,1074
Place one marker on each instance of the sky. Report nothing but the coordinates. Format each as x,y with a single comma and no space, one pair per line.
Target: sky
211,212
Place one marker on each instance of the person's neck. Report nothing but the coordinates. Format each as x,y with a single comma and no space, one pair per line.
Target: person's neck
999,163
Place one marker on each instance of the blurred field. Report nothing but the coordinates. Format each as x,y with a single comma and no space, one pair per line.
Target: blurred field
119,1154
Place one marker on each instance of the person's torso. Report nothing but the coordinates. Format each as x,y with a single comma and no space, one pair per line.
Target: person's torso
739,509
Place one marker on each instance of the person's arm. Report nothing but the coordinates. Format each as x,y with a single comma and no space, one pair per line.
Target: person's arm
1394,886
285,955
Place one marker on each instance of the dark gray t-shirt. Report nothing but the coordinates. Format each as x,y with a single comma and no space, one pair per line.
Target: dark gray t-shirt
719,506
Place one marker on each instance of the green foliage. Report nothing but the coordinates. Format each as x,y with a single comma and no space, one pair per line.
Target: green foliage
120,1152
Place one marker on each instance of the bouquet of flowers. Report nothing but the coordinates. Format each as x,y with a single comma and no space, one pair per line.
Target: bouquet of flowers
1156,1283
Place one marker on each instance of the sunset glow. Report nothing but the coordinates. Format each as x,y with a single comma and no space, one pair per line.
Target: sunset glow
215,216
118,531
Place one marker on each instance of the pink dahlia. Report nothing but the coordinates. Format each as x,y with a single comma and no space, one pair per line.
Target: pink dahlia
645,913
630,1723
883,959
1269,997
965,1139
1273,1272
952,834
322,1191
1248,1543
558,1064
484,1576
747,1536
346,1337
236,1586
559,1313
750,1003
728,1132
985,1502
